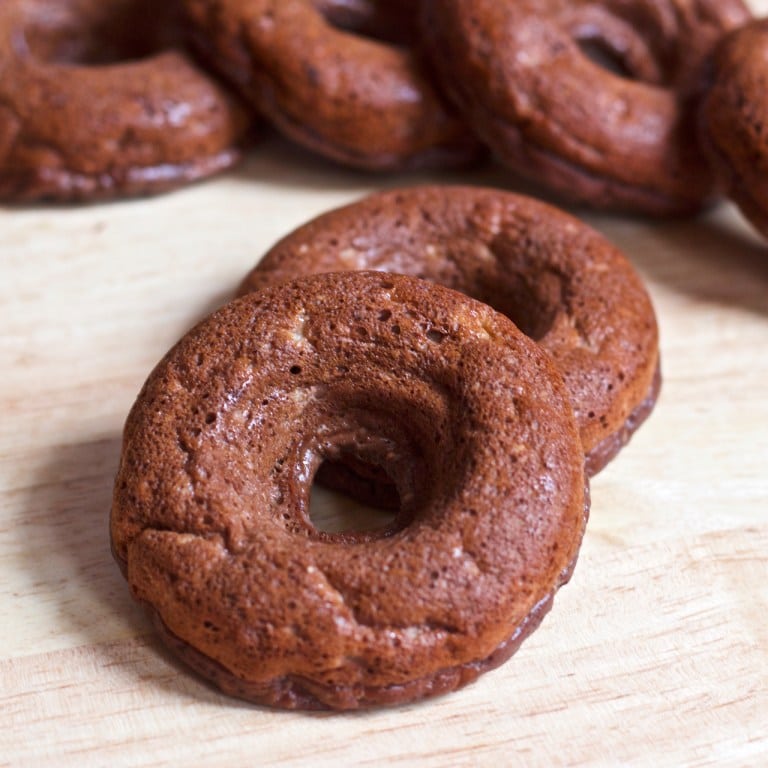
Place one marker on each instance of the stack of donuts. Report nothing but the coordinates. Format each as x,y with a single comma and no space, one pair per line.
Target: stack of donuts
465,356
649,106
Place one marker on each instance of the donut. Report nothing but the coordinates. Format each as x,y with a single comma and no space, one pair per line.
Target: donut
734,119
359,101
95,103
561,282
589,99
467,416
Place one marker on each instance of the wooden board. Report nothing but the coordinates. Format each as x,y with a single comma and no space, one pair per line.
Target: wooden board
655,654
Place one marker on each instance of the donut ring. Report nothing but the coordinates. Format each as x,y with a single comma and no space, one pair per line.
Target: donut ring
562,283
358,101
521,76
468,416
74,125
734,120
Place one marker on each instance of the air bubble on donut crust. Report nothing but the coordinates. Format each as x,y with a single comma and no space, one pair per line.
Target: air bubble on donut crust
436,336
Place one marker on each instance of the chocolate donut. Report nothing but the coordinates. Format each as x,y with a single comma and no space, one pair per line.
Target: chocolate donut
360,101
535,80
560,281
94,103
734,119
467,416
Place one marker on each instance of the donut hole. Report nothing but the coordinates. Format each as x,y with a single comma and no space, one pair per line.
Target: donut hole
334,512
532,308
532,318
600,51
128,30
380,451
368,482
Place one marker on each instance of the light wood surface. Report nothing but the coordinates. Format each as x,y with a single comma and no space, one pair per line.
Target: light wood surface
655,654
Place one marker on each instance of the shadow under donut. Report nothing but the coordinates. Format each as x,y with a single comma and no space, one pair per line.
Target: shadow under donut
715,258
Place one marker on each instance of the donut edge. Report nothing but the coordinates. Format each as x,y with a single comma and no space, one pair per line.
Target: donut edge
292,692
607,449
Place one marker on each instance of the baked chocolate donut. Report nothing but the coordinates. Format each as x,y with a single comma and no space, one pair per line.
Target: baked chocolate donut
534,80
359,101
96,103
560,281
734,119
467,416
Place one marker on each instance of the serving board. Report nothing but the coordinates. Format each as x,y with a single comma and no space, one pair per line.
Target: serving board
655,654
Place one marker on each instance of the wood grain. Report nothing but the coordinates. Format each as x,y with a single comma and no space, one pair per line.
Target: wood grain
655,654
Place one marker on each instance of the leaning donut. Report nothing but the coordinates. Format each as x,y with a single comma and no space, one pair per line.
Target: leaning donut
523,76
357,100
734,120
560,281
78,121
467,416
